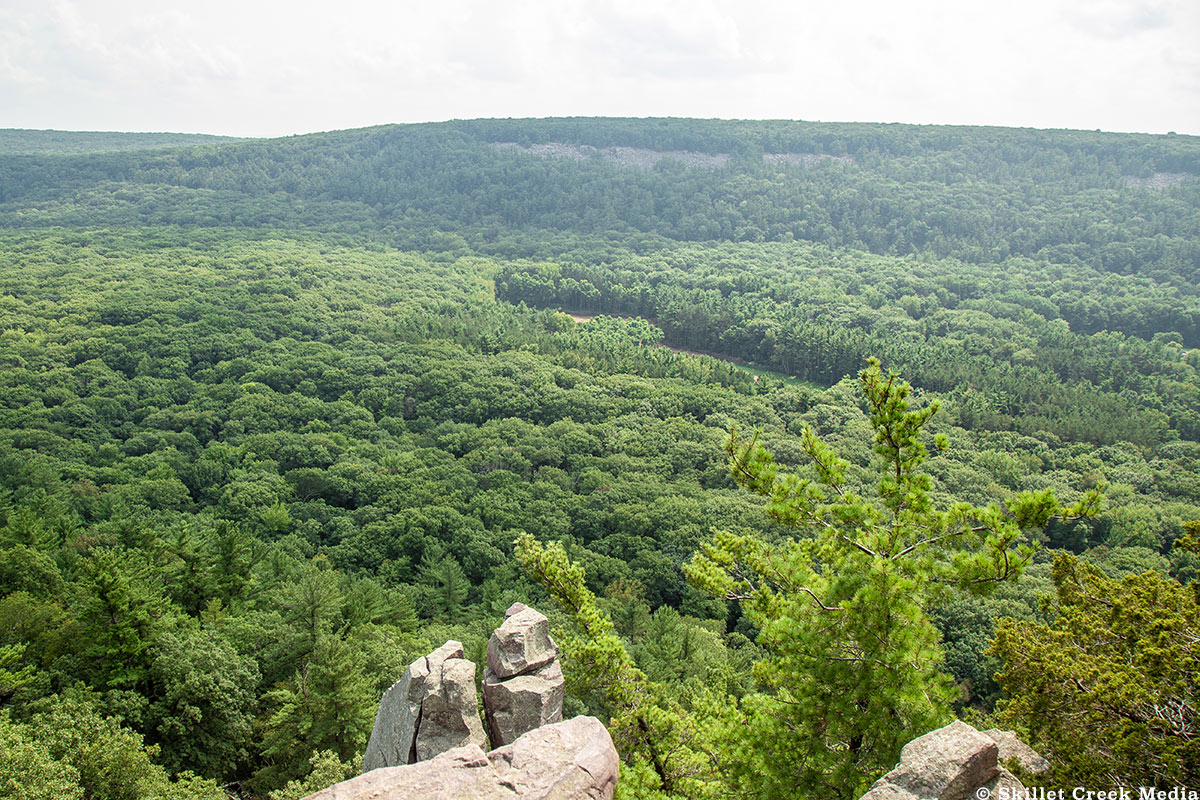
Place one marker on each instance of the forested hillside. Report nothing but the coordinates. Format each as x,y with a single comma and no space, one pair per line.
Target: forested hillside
979,195
274,413
14,141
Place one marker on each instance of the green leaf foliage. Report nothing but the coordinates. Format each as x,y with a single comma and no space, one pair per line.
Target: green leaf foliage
1108,690
657,737
273,412
68,749
853,668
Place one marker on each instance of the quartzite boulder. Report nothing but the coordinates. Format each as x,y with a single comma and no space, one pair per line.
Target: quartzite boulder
457,774
1012,747
573,759
520,704
946,763
523,682
450,713
952,763
430,710
521,644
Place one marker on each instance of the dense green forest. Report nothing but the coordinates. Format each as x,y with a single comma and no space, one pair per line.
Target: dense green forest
14,141
977,194
276,417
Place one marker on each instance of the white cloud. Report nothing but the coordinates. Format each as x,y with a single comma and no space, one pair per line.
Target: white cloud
271,68
1119,19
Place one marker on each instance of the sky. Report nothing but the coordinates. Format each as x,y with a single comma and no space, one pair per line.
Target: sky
256,68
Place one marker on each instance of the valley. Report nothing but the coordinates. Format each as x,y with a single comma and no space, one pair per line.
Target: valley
278,417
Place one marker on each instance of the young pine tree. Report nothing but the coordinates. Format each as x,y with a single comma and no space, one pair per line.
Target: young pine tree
662,743
853,670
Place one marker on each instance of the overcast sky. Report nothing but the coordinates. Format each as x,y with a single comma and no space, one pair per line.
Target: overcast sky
251,68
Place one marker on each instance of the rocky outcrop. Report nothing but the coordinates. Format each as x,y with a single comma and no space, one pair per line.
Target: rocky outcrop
523,683
629,157
1158,181
450,713
518,705
573,759
428,741
643,158
563,761
953,763
521,644
1011,747
430,710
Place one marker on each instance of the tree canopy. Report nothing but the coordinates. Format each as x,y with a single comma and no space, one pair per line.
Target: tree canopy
273,414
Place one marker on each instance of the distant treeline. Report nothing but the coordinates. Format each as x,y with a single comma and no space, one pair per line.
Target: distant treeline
997,340
273,413
14,141
977,194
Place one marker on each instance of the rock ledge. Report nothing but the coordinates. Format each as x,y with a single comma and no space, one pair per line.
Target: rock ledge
956,762
568,760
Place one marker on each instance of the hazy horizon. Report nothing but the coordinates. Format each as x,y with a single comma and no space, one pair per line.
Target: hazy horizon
252,70
220,134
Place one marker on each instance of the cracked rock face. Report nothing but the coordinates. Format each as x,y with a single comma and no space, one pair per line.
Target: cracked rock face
573,759
522,644
523,683
428,725
450,713
952,763
523,703
430,710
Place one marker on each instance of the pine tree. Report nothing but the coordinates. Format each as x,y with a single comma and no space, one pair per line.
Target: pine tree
661,742
1109,691
854,667
328,705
